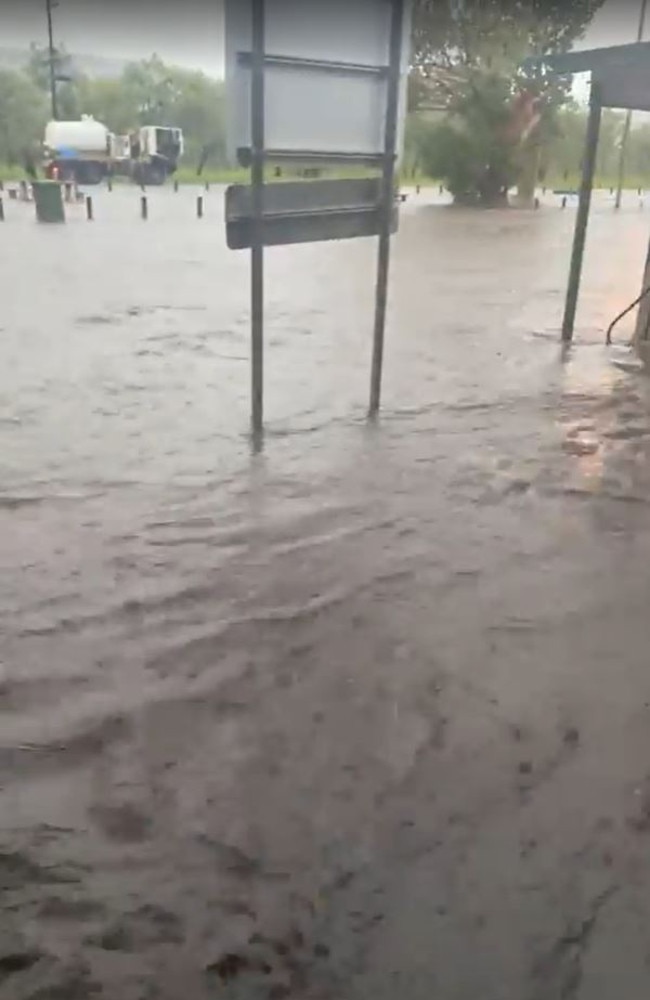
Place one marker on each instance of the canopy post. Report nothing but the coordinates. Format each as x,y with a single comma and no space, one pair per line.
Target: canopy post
582,217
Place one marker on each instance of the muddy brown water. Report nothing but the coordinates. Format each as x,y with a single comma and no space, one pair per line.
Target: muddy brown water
366,714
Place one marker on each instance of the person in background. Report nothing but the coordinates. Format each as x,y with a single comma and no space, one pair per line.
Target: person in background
29,164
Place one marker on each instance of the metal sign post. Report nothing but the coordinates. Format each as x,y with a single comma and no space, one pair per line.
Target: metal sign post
388,197
582,218
257,192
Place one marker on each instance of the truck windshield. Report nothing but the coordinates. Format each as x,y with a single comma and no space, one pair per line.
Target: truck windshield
167,143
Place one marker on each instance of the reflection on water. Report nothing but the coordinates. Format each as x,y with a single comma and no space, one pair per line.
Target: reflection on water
360,715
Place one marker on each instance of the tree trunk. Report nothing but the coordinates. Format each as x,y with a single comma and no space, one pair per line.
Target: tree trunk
528,173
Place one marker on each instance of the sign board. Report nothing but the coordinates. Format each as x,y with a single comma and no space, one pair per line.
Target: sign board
314,82
326,72
306,211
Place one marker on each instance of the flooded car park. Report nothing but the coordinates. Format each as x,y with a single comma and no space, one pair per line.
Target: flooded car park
366,714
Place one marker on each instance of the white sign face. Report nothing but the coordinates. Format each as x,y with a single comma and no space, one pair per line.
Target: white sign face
325,76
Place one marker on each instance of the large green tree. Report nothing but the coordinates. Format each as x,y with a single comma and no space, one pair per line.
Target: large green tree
23,113
467,57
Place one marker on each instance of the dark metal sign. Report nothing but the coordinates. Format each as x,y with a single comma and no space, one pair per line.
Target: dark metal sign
620,78
306,212
622,72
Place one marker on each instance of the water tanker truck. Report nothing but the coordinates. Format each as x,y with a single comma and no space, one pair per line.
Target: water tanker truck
85,152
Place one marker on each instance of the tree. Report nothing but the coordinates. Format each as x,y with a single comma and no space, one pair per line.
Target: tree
467,57
23,113
66,82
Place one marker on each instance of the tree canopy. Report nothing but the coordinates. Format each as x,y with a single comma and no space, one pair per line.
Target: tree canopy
467,57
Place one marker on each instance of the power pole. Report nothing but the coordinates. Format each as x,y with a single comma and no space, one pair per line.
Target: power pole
628,119
49,4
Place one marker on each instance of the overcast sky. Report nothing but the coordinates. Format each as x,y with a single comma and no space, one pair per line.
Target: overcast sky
186,32
190,32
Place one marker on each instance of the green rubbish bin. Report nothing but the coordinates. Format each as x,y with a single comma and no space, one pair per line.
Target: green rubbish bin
48,198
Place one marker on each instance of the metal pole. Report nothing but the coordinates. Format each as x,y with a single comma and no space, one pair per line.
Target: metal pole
51,59
388,184
628,120
582,217
257,196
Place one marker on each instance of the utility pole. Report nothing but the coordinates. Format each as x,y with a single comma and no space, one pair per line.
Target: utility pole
49,4
628,119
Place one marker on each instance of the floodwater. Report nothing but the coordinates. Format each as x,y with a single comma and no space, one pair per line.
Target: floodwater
364,715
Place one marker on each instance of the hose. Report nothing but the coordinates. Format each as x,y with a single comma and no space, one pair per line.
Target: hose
638,299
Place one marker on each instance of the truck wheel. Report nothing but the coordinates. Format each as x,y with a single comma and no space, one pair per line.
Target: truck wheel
153,175
90,173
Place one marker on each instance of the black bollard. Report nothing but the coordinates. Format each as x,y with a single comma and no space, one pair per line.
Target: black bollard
564,202
109,184
536,202
441,189
89,208
2,210
199,207
176,187
207,185
143,208
417,188
2,185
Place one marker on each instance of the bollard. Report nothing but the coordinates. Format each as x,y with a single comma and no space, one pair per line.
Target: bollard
207,185
417,188
536,203
89,208
176,186
143,207
199,207
109,184
2,185
441,191
543,190
2,210
564,202
67,189
13,194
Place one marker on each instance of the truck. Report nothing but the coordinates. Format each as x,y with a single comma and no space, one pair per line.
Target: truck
86,151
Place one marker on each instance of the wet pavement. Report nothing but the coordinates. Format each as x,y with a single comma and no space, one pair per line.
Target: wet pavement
366,714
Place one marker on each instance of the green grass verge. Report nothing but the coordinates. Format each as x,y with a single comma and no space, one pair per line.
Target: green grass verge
215,175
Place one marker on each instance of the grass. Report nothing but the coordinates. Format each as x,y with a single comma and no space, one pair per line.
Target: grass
219,175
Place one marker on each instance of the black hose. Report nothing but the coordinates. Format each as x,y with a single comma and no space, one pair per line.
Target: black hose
639,298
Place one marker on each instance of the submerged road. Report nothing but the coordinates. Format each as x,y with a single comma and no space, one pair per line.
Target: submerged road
366,715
